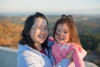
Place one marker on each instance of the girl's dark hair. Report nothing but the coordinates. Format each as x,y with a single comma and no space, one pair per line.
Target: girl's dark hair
26,39
71,26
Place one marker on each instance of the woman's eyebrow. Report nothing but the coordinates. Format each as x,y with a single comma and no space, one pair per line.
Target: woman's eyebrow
41,25
38,25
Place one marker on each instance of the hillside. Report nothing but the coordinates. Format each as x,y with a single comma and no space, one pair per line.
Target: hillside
9,34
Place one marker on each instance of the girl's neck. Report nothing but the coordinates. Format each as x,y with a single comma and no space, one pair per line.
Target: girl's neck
38,46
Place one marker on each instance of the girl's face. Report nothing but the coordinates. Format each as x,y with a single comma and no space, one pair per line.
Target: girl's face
62,33
39,30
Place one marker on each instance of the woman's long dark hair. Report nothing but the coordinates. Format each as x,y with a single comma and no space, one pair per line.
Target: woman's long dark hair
26,39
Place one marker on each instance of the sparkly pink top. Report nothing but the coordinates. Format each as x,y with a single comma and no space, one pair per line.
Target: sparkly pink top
60,51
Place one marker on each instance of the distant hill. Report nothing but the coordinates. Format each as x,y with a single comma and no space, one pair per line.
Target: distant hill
9,34
14,19
84,24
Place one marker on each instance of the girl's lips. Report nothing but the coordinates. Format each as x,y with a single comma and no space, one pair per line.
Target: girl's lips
60,38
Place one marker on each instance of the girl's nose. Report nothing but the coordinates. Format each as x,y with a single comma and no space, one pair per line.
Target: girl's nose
61,34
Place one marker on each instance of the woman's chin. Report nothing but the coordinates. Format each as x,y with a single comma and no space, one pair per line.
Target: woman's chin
41,41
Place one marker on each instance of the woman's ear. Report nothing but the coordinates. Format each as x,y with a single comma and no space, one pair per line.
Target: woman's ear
29,32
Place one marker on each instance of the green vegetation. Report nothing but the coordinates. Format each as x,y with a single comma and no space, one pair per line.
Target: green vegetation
90,41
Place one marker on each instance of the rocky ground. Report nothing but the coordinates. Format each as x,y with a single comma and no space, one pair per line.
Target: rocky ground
89,64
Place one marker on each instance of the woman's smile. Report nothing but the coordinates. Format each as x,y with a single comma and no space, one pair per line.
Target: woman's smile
42,37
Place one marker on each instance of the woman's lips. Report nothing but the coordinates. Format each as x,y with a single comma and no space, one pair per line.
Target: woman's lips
41,37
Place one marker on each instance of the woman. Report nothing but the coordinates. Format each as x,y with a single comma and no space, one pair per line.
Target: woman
33,49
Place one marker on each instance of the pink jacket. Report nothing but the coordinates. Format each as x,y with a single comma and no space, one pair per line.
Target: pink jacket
60,51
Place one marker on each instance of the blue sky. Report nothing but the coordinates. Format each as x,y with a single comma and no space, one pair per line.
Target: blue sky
50,6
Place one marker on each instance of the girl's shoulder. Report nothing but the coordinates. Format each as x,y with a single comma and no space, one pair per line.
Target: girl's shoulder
50,41
74,44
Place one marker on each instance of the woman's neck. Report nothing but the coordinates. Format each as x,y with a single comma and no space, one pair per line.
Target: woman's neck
38,46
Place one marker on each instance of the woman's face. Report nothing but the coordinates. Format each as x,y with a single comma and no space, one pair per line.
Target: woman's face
39,30
62,33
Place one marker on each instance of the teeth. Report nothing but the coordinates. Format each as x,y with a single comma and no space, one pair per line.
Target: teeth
41,36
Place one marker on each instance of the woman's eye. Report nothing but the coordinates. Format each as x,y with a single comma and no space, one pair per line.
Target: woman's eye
38,27
46,28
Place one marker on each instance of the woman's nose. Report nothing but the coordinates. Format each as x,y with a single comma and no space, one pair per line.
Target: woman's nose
42,30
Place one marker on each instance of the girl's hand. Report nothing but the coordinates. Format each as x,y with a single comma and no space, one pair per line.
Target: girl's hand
70,56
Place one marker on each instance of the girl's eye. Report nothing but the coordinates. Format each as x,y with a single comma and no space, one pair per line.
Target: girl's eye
46,28
58,30
65,32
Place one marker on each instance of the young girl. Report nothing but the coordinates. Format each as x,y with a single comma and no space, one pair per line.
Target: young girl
66,40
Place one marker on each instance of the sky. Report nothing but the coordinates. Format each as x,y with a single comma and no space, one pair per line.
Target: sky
50,6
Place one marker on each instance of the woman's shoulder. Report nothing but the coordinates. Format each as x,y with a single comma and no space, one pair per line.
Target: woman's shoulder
29,56
22,48
28,53
26,50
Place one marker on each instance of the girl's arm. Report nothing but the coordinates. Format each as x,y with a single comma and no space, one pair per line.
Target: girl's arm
79,54
50,41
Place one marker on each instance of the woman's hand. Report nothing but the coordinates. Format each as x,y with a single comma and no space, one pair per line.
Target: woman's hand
70,56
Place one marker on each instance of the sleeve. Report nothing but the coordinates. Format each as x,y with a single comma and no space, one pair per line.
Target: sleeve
79,54
32,59
63,63
50,41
